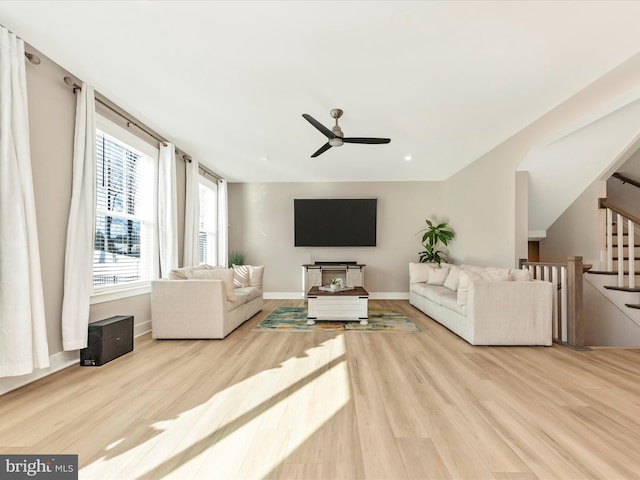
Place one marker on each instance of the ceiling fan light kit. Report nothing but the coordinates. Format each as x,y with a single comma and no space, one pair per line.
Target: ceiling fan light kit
336,137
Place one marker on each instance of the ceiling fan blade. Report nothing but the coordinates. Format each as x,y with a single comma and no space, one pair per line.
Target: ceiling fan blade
366,140
322,149
325,131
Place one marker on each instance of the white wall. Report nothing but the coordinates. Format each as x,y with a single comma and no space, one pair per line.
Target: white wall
578,231
261,226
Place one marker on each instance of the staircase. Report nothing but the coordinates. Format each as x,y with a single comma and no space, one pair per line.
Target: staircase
619,281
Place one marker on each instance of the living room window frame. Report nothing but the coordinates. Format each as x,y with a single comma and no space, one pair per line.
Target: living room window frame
136,143
212,257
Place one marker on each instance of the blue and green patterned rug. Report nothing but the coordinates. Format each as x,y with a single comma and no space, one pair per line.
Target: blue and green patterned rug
294,319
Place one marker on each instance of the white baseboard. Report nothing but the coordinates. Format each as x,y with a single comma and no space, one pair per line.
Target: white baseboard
142,328
372,295
389,295
283,295
57,361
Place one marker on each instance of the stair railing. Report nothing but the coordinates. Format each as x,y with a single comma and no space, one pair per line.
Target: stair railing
566,278
622,219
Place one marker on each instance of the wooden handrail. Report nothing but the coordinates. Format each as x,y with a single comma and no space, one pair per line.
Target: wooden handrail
603,203
624,179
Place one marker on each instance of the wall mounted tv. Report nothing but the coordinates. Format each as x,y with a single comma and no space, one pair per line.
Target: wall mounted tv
335,222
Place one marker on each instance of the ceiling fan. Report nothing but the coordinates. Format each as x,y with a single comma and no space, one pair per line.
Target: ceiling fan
335,135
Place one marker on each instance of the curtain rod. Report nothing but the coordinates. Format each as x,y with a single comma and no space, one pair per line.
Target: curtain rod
187,158
206,171
69,81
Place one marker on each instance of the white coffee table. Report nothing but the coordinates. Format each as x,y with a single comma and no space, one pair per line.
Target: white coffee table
347,306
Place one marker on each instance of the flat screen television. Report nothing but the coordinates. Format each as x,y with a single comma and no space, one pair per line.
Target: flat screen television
335,222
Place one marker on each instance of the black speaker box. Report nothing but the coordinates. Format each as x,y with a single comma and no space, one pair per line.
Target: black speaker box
108,339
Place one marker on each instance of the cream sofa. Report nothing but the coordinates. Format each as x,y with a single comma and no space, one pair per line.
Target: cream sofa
484,305
205,301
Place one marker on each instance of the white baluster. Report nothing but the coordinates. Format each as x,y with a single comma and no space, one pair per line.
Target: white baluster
546,277
554,282
632,254
620,230
563,303
609,240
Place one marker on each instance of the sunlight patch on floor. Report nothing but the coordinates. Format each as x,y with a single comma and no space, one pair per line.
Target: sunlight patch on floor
244,431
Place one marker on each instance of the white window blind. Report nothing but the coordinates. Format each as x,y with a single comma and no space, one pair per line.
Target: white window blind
207,238
125,245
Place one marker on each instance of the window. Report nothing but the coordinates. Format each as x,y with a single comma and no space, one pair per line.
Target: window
125,249
208,234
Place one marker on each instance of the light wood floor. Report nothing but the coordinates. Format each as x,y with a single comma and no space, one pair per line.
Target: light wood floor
337,406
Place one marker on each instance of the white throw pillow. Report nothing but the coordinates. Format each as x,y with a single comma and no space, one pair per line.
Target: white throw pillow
241,275
453,278
418,272
180,273
437,276
464,282
475,268
255,275
499,274
519,275
224,274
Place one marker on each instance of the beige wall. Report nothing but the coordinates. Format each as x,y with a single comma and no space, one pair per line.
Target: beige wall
51,121
578,231
261,225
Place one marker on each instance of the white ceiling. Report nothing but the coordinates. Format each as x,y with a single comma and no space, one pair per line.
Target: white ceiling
227,82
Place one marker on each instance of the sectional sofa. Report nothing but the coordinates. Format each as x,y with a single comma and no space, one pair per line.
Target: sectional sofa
484,305
205,301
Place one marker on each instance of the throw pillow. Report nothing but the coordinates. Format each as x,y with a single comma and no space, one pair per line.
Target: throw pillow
519,275
475,268
501,274
255,275
453,278
180,273
418,272
465,279
224,274
437,276
241,275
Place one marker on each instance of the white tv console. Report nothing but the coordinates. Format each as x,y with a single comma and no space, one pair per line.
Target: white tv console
321,273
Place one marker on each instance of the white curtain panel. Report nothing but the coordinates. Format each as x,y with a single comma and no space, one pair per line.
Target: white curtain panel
23,330
223,222
191,215
78,261
167,210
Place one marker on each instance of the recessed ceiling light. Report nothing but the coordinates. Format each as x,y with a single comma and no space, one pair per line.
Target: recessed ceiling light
408,158
264,158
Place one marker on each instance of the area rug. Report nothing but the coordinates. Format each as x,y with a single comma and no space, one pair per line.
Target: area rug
294,319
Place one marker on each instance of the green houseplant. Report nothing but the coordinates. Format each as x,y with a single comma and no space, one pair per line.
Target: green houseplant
236,258
432,237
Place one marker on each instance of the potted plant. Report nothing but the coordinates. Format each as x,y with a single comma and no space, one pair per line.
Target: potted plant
336,284
432,237
236,258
